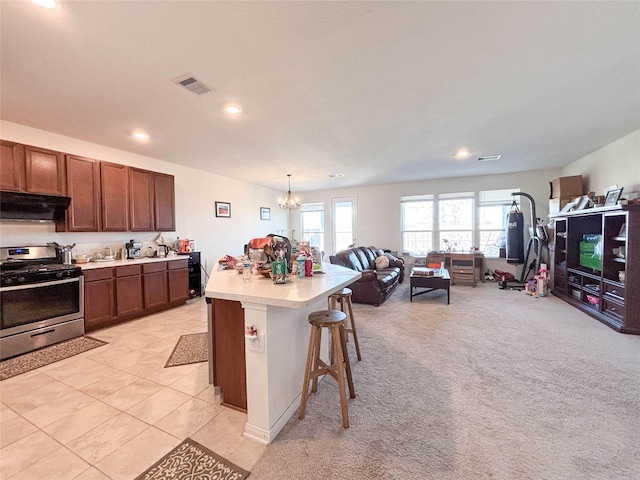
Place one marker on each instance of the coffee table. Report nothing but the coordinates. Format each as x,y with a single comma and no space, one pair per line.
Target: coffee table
429,279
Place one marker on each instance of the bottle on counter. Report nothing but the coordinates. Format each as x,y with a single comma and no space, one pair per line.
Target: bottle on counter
300,262
308,266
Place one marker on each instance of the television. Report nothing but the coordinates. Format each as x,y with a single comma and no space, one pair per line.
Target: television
591,251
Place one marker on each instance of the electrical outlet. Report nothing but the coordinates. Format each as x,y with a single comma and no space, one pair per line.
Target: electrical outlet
256,344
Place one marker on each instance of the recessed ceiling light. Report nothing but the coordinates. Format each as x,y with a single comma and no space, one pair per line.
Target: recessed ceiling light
46,3
233,109
141,136
489,158
462,154
335,175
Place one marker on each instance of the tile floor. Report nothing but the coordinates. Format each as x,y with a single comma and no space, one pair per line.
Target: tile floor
111,412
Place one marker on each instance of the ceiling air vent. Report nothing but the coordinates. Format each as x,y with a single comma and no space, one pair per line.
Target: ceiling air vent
489,158
194,85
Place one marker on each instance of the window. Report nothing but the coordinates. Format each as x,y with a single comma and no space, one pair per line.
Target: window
417,224
312,223
344,222
493,206
455,221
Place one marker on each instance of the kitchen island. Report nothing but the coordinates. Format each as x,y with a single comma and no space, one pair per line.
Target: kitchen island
275,358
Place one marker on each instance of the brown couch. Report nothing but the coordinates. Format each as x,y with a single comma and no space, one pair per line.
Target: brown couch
376,284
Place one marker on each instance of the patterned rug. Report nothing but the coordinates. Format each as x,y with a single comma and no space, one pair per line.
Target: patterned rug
190,460
47,355
192,348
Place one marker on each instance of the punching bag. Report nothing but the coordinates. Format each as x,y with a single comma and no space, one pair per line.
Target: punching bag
515,236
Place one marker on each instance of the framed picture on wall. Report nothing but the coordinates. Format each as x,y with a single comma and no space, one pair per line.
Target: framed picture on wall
265,213
223,209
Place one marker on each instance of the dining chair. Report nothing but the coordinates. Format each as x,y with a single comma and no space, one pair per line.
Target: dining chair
435,259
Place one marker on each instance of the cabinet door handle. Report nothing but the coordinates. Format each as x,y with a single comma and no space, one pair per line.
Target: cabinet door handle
613,309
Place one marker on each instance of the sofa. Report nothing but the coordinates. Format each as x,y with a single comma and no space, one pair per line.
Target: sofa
381,273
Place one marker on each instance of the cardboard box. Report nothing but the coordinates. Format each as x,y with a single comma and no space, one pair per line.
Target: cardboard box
566,187
556,204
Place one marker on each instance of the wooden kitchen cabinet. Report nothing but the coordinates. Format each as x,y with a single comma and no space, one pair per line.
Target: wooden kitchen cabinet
124,292
11,166
129,291
83,186
164,202
99,298
114,197
178,275
152,201
229,364
44,171
156,285
141,195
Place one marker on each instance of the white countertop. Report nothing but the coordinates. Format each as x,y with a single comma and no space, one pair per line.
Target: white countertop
296,293
130,261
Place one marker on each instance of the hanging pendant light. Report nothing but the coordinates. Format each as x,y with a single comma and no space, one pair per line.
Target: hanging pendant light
289,202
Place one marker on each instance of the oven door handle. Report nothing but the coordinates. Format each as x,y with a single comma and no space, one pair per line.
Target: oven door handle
38,285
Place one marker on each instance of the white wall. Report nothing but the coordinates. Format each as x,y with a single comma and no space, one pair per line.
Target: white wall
196,193
616,164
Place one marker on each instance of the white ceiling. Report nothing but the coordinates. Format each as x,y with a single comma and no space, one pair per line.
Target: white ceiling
380,91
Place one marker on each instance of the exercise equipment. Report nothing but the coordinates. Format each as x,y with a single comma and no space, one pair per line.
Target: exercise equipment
515,242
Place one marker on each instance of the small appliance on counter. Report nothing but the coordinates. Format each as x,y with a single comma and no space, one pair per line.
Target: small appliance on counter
134,249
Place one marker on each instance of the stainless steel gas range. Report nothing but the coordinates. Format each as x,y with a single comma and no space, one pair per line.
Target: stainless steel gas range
41,299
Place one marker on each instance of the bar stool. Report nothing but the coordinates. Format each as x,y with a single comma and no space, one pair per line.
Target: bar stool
333,320
344,297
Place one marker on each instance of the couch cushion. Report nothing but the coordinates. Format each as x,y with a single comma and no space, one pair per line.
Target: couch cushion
370,255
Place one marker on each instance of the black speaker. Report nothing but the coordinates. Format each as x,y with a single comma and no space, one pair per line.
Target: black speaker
515,237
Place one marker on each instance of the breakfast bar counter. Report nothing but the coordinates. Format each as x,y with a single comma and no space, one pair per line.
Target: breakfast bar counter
274,358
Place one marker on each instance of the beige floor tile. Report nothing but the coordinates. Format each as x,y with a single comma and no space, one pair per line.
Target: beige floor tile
169,375
57,407
211,394
187,419
132,393
247,453
172,332
13,427
105,439
23,400
81,421
24,385
61,464
135,456
86,376
193,383
158,405
25,452
104,386
92,474
223,434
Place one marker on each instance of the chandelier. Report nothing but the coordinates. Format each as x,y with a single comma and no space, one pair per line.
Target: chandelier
289,202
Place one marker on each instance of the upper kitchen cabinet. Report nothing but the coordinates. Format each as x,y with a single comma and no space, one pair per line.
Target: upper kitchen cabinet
44,171
83,186
152,201
11,166
164,202
114,192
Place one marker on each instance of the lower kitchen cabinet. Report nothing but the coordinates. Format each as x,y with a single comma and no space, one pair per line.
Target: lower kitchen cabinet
129,291
99,299
178,275
156,286
116,294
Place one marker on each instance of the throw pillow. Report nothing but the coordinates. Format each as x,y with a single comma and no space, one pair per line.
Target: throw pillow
394,261
382,262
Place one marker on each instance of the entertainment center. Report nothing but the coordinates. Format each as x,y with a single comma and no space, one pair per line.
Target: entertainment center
595,263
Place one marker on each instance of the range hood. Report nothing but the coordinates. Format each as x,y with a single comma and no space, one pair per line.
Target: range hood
32,206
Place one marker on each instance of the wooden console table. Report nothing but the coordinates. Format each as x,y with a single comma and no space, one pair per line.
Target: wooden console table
479,262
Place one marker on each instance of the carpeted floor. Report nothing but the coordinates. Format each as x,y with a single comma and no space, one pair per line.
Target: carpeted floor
47,355
190,348
497,385
191,460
